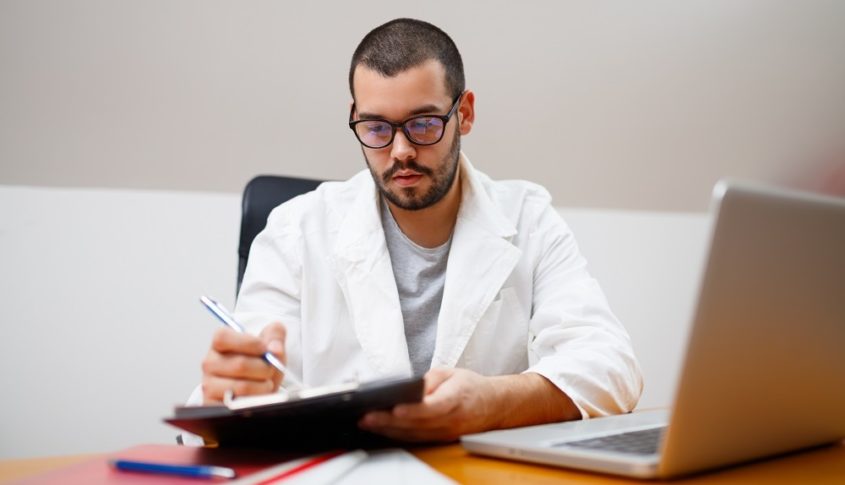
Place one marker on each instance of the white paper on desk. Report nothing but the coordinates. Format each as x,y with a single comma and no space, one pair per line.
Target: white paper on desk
328,472
393,466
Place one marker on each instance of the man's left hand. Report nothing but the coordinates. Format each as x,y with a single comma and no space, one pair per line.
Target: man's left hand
456,401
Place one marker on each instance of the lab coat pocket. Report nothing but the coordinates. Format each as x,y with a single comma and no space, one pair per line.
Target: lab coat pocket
498,345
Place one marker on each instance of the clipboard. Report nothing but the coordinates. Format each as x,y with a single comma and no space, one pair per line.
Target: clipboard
312,419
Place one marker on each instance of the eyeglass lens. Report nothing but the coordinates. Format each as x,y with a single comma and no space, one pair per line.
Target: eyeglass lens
423,130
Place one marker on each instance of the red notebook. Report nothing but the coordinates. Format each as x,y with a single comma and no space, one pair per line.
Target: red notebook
97,470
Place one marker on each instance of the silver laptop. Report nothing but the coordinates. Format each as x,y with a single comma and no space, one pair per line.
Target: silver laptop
764,371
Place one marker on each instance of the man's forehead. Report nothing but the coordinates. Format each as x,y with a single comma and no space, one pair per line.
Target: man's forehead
408,91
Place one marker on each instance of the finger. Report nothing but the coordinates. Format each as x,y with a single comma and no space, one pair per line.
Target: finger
226,340
375,418
273,331
387,419
435,377
214,388
273,336
440,399
237,366
433,406
414,434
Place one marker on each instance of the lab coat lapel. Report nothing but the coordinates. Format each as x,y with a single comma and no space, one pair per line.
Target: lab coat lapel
365,275
480,260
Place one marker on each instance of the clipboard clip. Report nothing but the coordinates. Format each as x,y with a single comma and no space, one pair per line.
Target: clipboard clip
248,402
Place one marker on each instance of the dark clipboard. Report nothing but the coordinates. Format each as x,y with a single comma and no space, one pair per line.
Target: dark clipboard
313,419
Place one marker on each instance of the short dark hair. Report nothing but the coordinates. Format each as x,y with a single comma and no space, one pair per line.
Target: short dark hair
403,43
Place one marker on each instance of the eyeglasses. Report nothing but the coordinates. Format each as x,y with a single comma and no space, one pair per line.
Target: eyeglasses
419,130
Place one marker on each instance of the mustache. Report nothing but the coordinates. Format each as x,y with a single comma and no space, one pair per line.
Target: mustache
409,165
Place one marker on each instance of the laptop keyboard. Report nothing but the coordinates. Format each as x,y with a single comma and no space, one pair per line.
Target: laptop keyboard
644,442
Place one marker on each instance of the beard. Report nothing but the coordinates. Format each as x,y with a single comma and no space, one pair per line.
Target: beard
410,198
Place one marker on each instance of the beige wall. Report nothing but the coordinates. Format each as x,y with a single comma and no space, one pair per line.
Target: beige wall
636,105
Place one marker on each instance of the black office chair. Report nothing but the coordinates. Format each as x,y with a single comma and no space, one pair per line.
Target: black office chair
261,195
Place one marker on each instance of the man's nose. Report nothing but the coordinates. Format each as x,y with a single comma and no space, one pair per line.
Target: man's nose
402,149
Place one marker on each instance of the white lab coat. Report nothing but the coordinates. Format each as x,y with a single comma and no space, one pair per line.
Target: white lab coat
517,298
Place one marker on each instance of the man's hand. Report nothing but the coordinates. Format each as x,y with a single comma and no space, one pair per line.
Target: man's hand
235,363
459,401
456,401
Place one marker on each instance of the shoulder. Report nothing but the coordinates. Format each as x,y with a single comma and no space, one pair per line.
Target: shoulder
522,191
516,199
325,206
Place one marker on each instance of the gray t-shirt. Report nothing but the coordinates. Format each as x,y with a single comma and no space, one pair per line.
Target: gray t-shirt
420,274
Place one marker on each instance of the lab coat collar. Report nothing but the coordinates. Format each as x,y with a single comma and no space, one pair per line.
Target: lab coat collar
365,275
480,260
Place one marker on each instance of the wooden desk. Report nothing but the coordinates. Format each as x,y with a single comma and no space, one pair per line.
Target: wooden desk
823,465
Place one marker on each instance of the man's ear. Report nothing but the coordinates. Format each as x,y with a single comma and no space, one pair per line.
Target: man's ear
466,112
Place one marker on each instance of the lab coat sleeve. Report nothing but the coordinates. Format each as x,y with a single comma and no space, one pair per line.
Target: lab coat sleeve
577,342
271,290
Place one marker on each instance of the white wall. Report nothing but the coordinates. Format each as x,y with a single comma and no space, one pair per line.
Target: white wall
102,332
649,265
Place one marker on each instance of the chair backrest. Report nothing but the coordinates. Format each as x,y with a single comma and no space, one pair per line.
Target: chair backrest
261,195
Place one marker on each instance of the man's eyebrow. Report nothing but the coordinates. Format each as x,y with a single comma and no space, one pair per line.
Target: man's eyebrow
425,109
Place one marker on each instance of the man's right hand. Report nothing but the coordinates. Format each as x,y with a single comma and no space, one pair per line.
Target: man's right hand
236,363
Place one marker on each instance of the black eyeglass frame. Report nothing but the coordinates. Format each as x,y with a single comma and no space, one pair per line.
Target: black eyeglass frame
403,125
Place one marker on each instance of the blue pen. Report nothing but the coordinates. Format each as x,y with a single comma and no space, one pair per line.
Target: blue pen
220,312
194,471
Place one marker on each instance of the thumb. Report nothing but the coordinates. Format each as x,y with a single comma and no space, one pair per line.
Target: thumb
435,377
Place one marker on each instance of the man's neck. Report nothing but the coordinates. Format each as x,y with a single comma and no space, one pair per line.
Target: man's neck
432,226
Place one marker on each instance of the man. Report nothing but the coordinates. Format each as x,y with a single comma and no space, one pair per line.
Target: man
422,264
